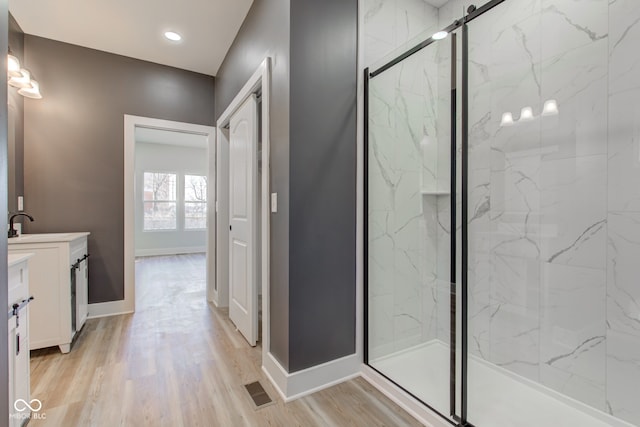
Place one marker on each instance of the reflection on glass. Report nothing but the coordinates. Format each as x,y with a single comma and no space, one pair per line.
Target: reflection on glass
526,114
507,119
550,107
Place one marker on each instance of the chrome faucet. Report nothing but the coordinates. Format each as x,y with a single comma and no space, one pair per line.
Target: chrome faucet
12,231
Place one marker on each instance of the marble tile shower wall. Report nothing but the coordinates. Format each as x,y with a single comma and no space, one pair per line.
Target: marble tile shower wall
402,163
555,222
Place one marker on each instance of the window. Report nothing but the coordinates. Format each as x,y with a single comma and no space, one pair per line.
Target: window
195,202
160,201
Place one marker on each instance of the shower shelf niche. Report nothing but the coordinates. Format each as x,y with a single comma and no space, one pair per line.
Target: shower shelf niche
435,192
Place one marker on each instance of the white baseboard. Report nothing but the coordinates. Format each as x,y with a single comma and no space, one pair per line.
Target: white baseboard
295,385
170,251
111,308
276,374
415,408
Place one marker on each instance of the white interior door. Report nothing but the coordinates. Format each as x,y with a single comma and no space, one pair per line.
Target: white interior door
243,289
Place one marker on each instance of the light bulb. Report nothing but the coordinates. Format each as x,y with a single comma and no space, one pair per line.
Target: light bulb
550,108
173,36
507,119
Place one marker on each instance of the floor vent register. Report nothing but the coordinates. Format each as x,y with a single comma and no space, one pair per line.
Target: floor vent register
258,395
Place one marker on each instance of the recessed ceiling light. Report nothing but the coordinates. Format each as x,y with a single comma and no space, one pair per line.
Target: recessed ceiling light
440,35
173,36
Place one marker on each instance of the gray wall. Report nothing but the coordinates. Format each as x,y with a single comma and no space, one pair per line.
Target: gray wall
313,169
322,229
74,161
4,351
265,32
16,129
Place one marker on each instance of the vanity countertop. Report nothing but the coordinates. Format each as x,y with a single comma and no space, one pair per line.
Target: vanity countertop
13,259
46,238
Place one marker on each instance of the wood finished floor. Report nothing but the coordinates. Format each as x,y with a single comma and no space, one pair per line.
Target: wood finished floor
178,361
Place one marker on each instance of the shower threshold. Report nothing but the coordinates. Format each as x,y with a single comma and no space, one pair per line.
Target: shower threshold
496,396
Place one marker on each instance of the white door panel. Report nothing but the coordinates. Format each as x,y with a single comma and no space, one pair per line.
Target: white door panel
243,182
239,259
240,170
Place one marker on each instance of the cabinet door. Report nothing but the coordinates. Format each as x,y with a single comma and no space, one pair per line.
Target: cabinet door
21,363
46,310
13,419
19,375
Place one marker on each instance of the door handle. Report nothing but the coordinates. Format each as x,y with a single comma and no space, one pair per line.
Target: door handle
229,228
17,307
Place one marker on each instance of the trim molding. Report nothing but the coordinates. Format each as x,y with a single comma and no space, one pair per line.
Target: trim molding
171,251
360,182
276,374
292,386
130,124
259,81
106,309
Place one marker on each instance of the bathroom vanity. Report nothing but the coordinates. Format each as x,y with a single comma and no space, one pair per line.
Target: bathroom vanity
18,343
59,279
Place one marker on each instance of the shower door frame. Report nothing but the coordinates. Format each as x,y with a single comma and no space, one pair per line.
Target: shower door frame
367,76
461,23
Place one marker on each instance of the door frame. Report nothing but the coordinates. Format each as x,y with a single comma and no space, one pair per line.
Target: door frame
259,82
130,123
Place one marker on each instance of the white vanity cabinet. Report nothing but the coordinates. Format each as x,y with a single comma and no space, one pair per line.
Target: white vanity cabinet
18,344
59,284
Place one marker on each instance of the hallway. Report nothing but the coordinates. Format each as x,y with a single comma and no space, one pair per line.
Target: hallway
178,361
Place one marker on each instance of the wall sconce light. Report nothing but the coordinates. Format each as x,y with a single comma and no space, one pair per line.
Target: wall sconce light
507,119
32,92
21,78
13,65
550,108
526,114
23,81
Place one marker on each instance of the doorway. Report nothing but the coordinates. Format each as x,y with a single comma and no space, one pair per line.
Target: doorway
167,202
252,270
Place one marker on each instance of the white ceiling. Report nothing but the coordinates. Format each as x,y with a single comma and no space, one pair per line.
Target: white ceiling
135,28
167,137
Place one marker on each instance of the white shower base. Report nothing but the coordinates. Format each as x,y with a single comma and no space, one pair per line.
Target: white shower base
496,397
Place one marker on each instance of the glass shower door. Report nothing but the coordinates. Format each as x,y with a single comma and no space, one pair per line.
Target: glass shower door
409,267
553,231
